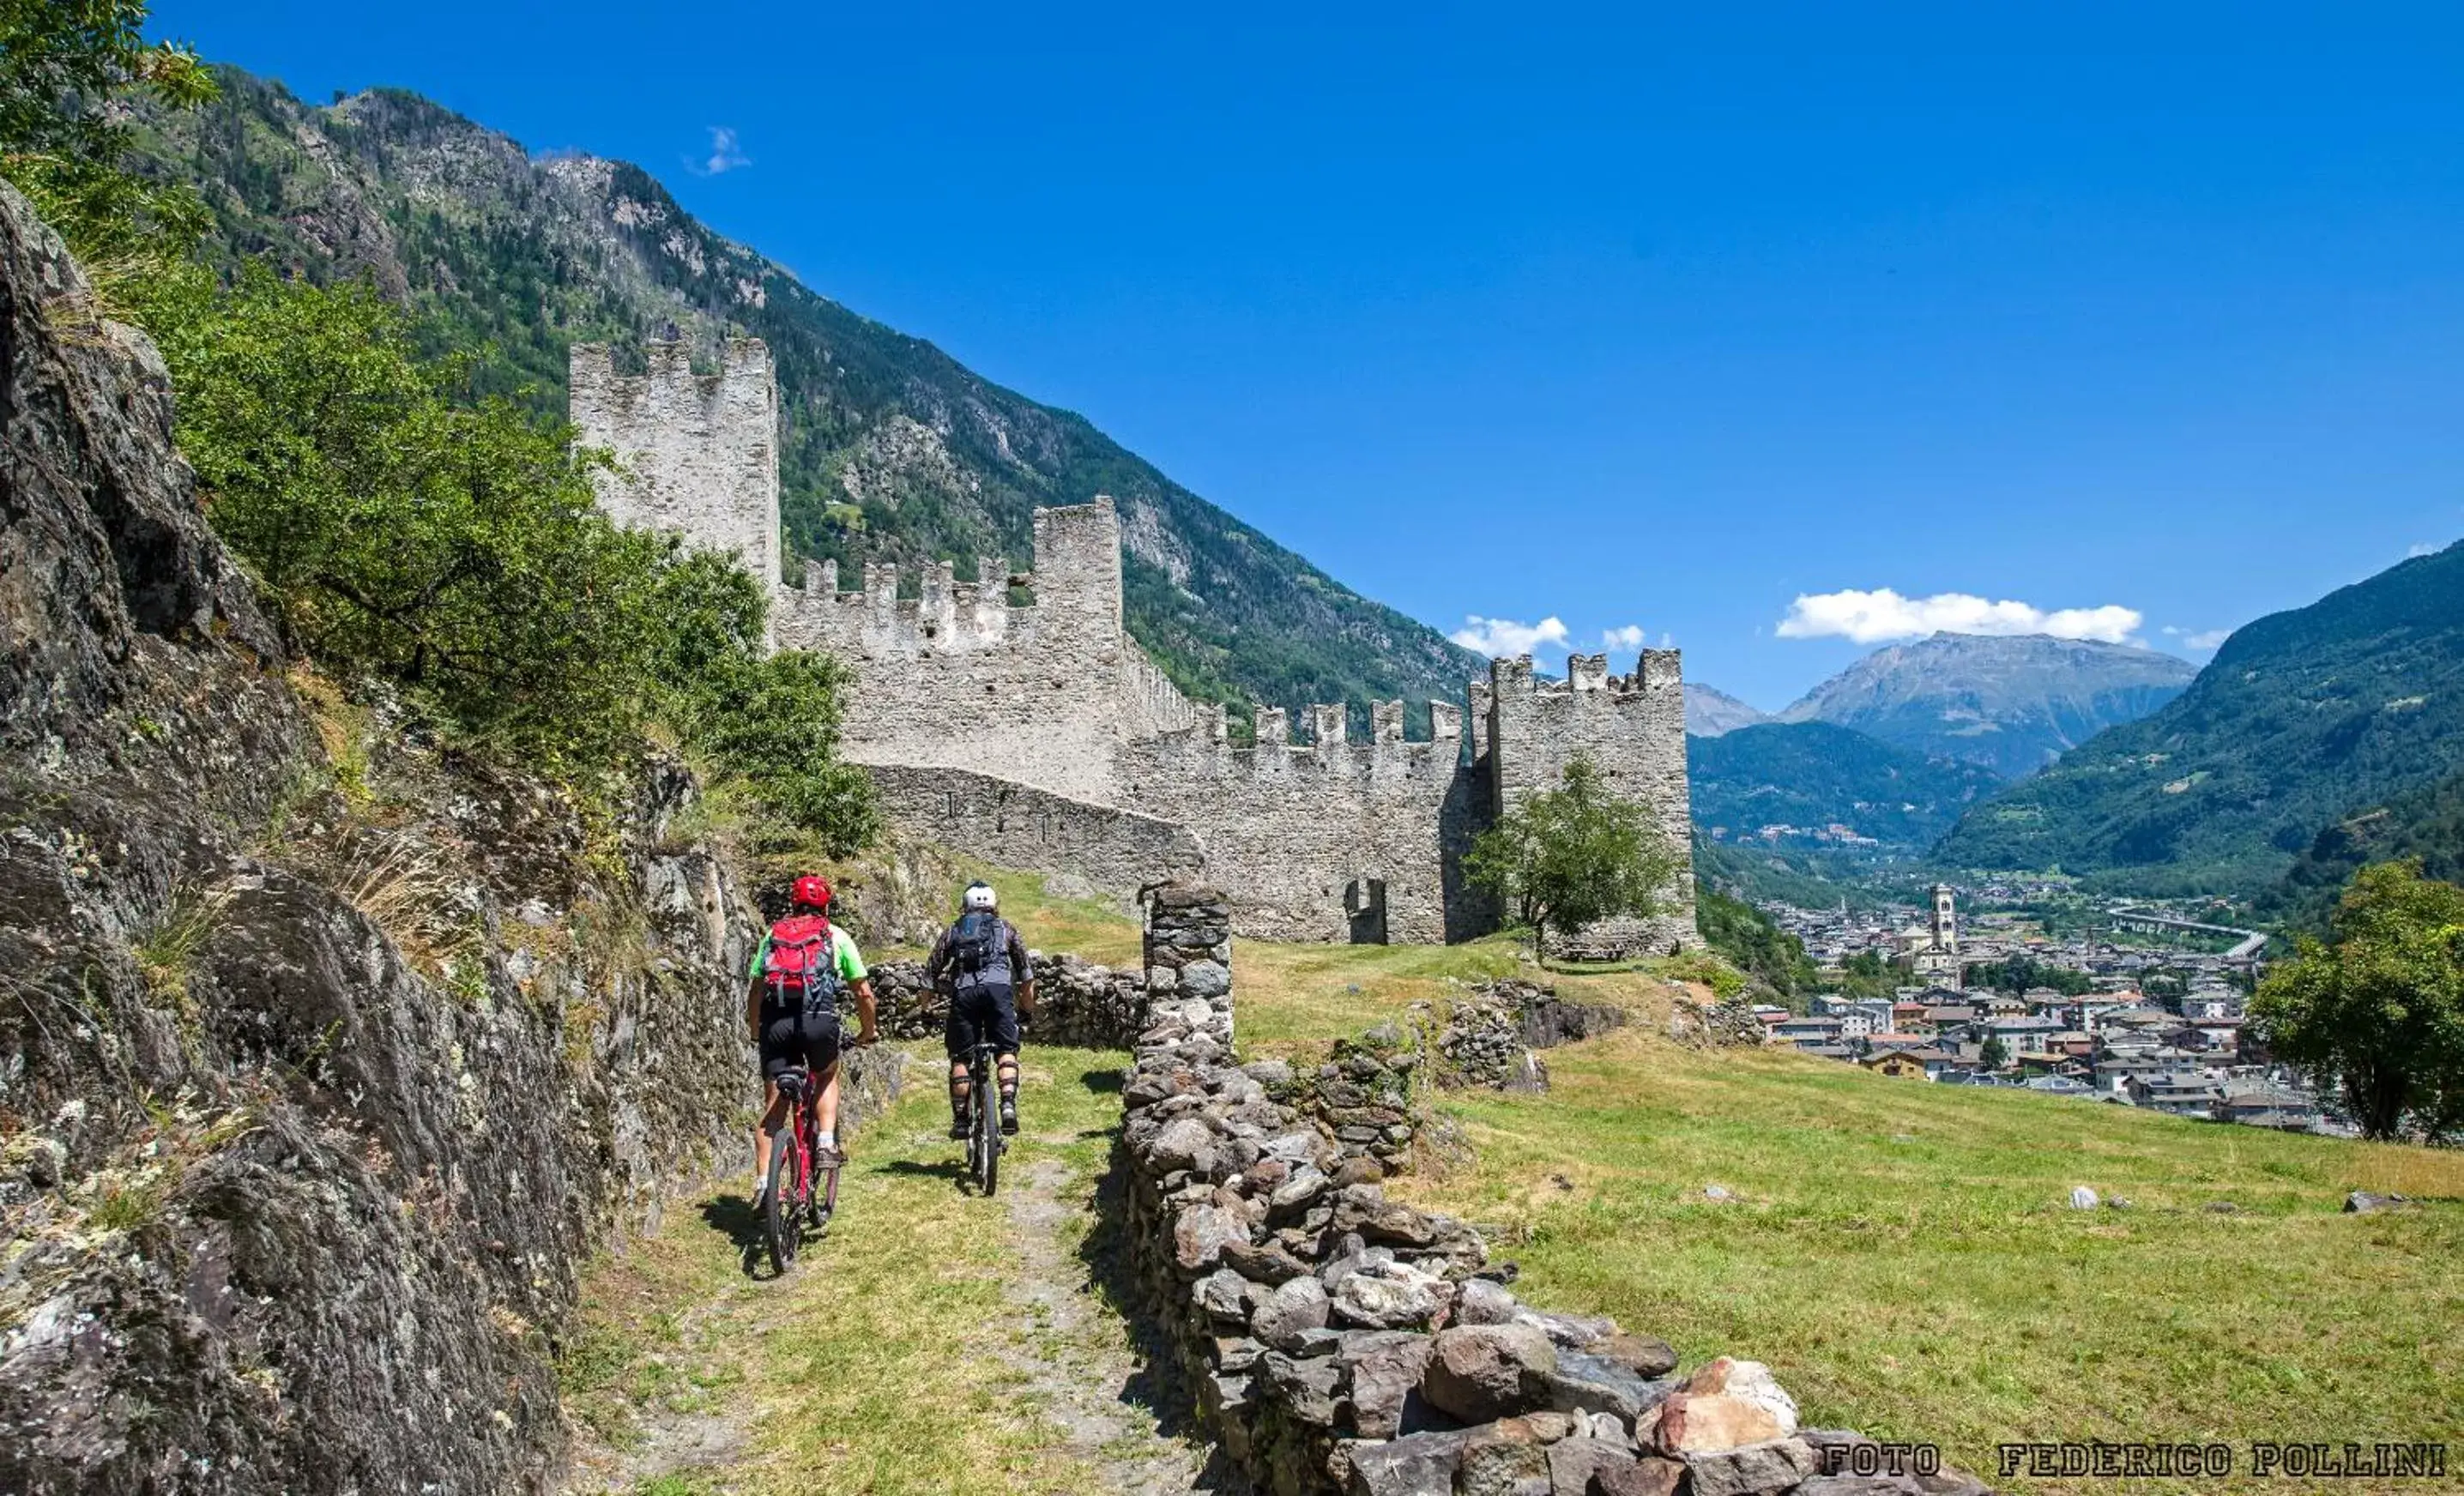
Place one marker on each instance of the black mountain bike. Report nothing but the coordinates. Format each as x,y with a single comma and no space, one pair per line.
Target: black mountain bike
984,1140
793,1202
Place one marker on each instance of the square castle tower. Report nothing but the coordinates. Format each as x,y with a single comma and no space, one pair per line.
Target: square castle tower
1040,735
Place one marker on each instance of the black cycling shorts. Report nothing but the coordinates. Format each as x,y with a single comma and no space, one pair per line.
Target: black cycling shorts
982,1012
791,1040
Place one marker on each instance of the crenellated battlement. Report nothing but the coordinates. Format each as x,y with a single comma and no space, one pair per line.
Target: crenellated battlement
1041,733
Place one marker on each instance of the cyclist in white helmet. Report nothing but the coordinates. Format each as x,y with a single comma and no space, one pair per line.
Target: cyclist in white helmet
982,965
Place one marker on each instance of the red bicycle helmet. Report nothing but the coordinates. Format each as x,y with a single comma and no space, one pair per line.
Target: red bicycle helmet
810,891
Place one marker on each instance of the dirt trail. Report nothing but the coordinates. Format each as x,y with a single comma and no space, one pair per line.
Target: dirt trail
936,1342
1083,1367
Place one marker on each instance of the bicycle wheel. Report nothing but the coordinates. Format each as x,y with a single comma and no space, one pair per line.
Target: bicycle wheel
988,1139
781,1208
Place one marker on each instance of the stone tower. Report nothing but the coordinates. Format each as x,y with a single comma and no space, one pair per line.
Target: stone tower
699,453
1945,922
1633,727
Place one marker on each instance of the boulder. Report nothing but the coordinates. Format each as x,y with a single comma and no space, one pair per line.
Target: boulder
1574,1463
1726,1405
1588,1383
2362,1203
1302,1185
1642,1354
1294,1307
1505,1459
1182,1144
1482,1373
1384,1367
1200,1234
1648,1476
2082,1198
1271,1265
1225,1297
1415,1464
1764,1469
1481,1302
1390,1296
1308,1387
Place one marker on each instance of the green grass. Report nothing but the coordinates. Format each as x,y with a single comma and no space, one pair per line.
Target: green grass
1904,1256
888,1360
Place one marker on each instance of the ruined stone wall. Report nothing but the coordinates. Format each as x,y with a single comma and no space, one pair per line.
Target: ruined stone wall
1633,728
1016,826
956,677
1323,840
1333,1340
699,453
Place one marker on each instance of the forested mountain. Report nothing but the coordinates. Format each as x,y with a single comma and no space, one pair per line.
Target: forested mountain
2301,717
1820,781
1710,712
891,449
2426,823
2011,704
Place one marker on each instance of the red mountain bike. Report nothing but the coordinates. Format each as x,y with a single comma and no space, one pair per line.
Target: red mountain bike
792,1204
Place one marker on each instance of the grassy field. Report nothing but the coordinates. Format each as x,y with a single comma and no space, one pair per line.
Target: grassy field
1903,1254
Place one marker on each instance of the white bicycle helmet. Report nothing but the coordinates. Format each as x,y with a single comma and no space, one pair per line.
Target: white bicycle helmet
980,896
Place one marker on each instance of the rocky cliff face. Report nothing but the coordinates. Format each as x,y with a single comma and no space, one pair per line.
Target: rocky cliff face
325,1058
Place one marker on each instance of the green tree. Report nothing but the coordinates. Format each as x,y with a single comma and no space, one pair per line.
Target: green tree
1750,939
1560,859
1867,975
2379,1009
1993,1053
68,70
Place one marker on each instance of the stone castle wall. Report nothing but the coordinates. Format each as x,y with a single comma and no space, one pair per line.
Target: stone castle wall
1327,840
1016,826
1041,736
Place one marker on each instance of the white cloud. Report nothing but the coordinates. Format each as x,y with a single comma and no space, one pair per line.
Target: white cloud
724,155
1503,638
2422,548
1629,637
1873,617
2199,640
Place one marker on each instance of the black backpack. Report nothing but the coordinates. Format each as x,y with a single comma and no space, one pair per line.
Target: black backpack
980,950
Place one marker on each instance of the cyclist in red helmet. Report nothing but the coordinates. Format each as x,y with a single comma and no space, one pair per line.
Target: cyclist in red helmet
803,966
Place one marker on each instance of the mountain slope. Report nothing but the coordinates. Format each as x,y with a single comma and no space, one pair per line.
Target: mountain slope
890,450
1813,777
2300,717
1710,712
2012,704
2427,823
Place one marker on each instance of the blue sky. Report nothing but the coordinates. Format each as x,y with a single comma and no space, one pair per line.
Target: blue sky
1645,320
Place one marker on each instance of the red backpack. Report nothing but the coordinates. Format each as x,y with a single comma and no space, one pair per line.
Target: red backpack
802,971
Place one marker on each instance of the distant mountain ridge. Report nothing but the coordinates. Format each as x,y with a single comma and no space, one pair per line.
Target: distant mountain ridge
890,450
1836,787
1710,712
2012,704
2303,719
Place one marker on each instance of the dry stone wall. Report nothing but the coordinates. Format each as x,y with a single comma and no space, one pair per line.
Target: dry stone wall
1078,1002
1336,1341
